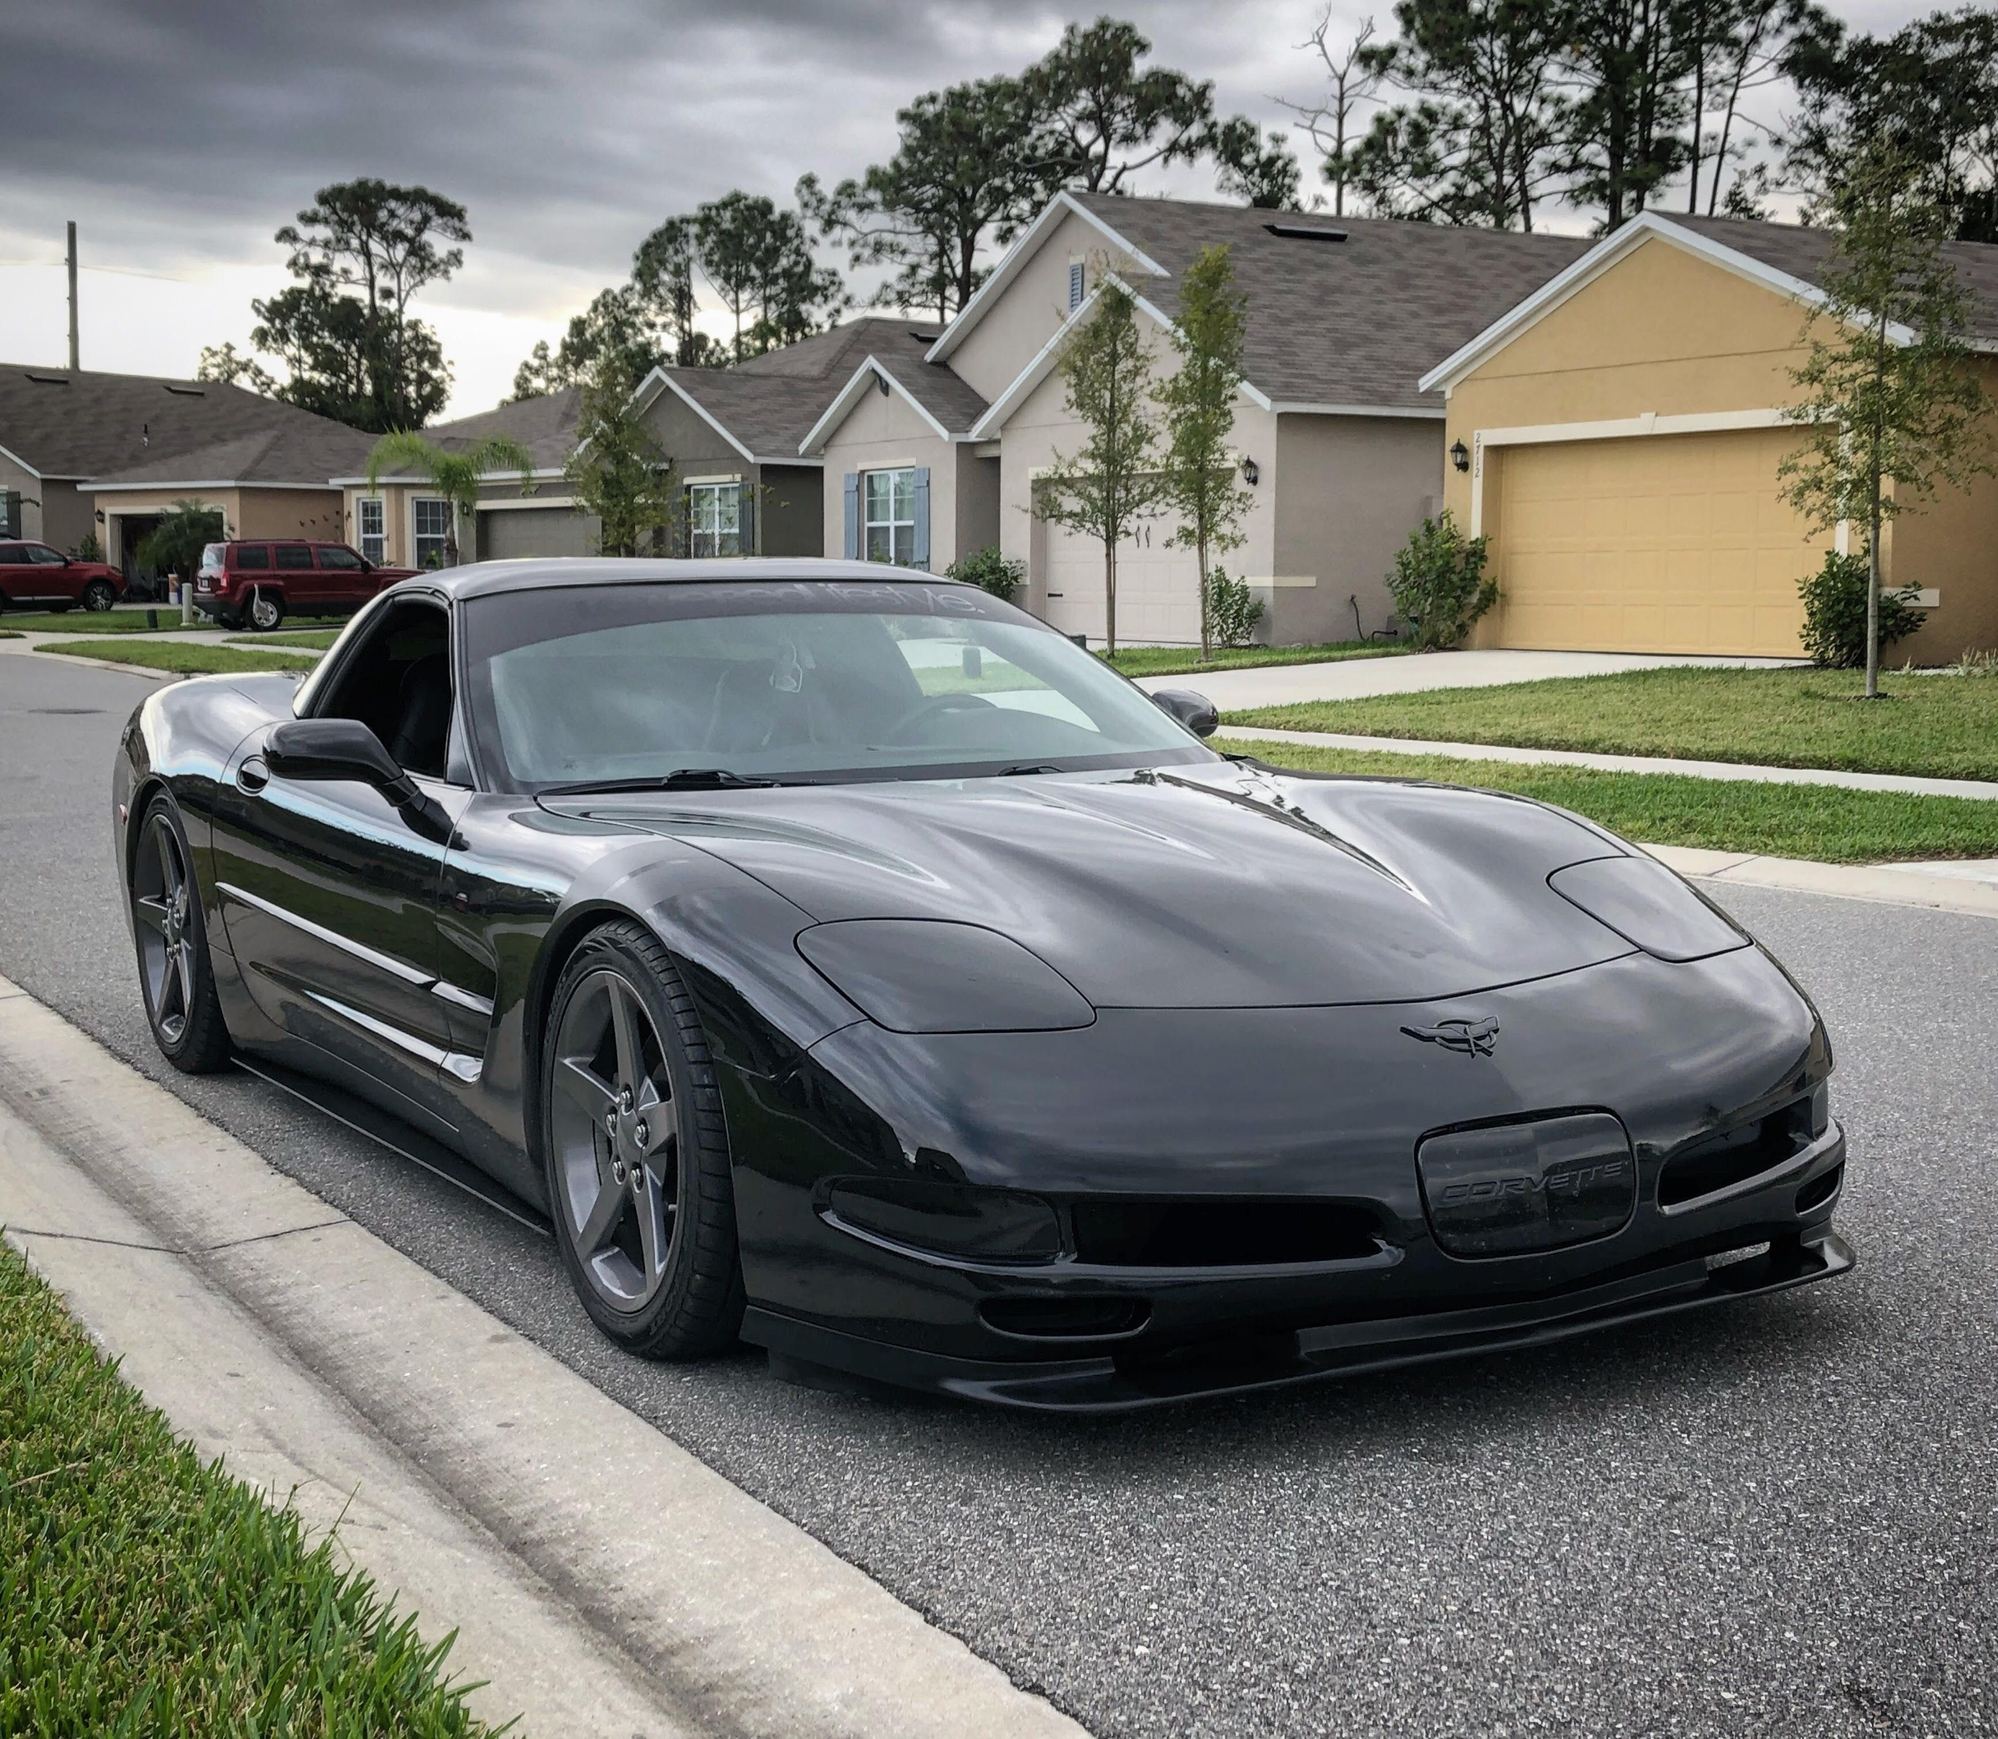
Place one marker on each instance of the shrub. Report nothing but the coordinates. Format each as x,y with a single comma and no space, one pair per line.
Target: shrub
1835,613
1232,610
1438,583
89,550
989,568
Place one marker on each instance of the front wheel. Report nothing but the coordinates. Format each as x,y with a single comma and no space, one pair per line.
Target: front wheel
265,611
635,1151
175,979
98,596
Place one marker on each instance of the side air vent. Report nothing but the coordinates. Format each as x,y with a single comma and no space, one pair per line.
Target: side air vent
1306,232
1066,1318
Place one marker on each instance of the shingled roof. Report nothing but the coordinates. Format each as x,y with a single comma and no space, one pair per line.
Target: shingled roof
1347,311
85,424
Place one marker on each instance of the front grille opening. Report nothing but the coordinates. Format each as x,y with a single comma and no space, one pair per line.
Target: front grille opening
1065,1318
1717,1161
1124,1232
1820,1189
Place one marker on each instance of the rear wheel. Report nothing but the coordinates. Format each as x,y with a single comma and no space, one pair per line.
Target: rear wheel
98,595
635,1151
175,980
266,611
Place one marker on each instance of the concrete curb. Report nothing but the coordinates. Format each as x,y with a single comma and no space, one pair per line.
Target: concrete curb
601,1579
1885,884
1739,771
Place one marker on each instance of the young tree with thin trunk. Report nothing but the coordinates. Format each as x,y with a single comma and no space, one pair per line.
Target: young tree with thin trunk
1892,407
1113,483
618,471
1198,403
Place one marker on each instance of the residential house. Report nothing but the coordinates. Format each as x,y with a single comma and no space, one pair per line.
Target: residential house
84,452
1618,435
1341,450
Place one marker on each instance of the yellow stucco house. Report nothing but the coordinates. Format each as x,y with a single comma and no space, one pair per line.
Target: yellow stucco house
1617,436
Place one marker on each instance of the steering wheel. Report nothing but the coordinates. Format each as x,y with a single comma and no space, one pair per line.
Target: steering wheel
934,703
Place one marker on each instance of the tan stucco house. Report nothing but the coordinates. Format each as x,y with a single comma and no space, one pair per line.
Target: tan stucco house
938,444
1621,431
84,452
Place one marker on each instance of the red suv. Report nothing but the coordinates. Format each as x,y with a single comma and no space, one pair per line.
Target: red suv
260,581
32,573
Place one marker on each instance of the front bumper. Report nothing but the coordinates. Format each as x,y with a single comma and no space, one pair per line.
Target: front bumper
1208,1110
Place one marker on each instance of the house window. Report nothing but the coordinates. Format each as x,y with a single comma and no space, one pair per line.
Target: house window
714,519
889,522
371,527
1075,275
433,531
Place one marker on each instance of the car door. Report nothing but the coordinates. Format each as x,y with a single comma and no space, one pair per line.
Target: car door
56,577
344,579
329,892
303,584
15,574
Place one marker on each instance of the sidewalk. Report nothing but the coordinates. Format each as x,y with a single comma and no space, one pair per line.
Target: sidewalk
601,1580
1738,770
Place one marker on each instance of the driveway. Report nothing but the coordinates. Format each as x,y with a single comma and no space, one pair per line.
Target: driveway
1763,1519
1352,678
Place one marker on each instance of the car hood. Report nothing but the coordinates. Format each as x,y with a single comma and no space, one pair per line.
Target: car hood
1211,886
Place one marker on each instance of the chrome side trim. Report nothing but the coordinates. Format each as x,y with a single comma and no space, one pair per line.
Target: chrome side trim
451,1062
479,1005
332,938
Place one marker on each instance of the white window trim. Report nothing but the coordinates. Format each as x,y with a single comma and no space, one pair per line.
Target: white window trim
415,559
714,486
360,533
896,557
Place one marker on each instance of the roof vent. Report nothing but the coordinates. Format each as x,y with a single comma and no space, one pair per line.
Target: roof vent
187,392
47,379
1306,232
924,337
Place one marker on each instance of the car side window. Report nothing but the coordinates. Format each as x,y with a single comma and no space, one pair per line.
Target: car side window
292,556
10,555
397,681
42,554
339,558
252,556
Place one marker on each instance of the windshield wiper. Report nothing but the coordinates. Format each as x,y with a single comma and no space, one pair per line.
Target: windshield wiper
681,779
1023,768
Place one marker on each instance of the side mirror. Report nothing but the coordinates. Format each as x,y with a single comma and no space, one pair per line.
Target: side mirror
1195,711
346,749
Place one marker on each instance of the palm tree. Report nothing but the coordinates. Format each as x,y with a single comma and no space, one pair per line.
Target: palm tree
174,545
455,473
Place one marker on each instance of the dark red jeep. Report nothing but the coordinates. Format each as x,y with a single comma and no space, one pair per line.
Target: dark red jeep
260,581
32,573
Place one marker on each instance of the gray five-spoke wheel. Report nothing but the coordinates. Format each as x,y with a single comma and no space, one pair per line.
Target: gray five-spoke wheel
615,1126
162,893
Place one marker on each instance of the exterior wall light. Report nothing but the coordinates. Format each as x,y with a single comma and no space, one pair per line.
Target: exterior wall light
1251,473
1460,455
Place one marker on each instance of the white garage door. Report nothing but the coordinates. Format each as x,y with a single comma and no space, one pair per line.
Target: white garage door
1158,588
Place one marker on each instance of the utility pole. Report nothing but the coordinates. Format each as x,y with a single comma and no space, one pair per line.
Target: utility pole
74,365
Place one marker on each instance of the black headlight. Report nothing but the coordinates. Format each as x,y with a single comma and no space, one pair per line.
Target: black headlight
947,1219
925,975
1649,906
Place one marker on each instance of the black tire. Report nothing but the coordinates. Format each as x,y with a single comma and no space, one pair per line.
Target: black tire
99,596
693,1305
264,612
172,949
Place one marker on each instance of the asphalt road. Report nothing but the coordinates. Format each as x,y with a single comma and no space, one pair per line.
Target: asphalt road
1777,1517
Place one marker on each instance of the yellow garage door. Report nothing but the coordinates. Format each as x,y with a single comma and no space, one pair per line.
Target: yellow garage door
1662,543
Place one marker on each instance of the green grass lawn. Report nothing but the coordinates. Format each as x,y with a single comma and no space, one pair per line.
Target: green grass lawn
1942,725
316,638
1185,660
96,622
142,1592
1810,821
186,657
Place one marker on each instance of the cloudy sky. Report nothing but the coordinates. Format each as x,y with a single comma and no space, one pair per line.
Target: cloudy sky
180,133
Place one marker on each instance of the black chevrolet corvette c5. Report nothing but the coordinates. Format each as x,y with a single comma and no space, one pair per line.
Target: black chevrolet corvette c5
846,961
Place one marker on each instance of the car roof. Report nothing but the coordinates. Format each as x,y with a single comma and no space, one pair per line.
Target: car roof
531,574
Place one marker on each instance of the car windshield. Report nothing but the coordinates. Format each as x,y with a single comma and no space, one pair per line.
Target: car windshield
785,680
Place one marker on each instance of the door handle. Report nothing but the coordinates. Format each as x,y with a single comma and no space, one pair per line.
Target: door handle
252,775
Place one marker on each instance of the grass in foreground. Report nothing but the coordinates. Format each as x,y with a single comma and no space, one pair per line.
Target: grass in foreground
1185,660
96,622
180,655
141,1592
1941,725
316,638
1809,821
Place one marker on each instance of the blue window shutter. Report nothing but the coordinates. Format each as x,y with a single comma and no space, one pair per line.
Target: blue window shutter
852,540
921,555
746,520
